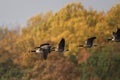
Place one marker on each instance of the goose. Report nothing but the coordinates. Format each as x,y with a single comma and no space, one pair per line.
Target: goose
44,49
88,43
61,46
115,36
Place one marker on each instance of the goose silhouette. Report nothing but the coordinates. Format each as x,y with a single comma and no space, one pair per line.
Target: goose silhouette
88,43
115,36
44,49
61,46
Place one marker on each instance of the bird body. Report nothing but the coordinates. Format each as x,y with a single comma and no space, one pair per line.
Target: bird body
44,49
61,46
115,36
88,43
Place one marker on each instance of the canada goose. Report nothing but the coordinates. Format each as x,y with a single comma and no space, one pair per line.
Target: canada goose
115,36
88,43
61,46
44,49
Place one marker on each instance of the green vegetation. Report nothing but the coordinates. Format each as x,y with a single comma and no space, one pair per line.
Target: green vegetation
75,24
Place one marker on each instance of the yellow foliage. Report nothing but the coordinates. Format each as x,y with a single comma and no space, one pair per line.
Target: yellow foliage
74,23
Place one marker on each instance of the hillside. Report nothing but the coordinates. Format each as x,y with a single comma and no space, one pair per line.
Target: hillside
74,23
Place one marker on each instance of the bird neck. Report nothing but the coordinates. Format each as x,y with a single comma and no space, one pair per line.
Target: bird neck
81,46
32,51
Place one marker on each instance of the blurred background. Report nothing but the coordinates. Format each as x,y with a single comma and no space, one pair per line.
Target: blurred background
26,24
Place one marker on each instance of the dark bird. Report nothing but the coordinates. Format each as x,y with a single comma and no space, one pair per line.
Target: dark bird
88,43
61,46
115,36
44,49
